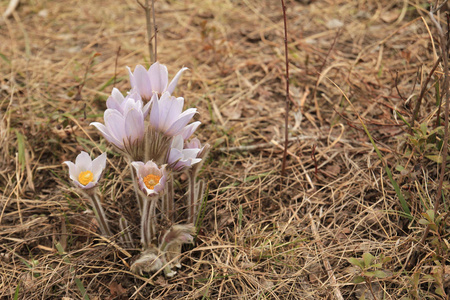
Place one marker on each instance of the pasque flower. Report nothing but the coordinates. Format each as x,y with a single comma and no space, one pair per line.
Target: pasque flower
85,172
124,124
151,179
123,104
153,80
167,115
179,157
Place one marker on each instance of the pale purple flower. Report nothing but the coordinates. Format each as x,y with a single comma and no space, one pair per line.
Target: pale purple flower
167,115
179,157
123,126
133,100
189,130
151,179
85,173
153,80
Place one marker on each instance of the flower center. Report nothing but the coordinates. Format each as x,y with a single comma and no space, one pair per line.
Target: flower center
151,180
85,177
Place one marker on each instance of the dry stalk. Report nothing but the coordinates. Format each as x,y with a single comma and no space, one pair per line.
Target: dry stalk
288,97
444,53
326,263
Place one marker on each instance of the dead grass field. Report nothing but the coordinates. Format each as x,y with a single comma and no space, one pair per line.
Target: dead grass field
262,237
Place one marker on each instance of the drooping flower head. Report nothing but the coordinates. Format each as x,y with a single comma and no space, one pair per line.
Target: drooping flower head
151,179
154,80
167,115
179,157
124,124
85,173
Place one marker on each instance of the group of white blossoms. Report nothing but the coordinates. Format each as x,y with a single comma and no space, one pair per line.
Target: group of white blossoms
149,127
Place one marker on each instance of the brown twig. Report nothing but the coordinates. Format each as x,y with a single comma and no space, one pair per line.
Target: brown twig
286,117
146,7
444,54
422,92
155,27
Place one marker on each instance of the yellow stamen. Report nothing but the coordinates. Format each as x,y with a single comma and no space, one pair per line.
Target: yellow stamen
151,180
85,177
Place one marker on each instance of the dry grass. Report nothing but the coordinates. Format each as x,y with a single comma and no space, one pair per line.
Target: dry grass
257,239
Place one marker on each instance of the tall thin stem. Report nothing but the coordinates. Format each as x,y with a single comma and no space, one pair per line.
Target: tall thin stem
149,31
155,27
286,117
100,214
191,196
136,189
148,228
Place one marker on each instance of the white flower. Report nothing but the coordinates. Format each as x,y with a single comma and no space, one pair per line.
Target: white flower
179,157
167,115
124,123
151,179
85,173
155,80
123,104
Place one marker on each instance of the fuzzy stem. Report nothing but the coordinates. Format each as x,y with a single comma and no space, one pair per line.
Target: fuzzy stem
126,237
191,196
100,214
170,202
145,240
136,189
148,230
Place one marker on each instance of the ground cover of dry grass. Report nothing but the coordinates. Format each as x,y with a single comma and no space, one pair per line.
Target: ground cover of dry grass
261,237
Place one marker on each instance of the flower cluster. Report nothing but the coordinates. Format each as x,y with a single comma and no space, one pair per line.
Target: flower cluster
150,127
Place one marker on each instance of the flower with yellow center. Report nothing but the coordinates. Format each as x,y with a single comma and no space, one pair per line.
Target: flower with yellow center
86,172
85,177
152,179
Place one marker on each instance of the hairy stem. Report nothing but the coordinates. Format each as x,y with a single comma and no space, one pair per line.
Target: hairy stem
100,214
136,189
191,197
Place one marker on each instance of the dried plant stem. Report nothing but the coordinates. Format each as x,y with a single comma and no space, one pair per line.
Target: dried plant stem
155,27
422,92
337,292
286,117
146,7
99,212
444,54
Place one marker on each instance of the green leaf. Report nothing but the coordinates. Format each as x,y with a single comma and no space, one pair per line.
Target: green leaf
436,158
16,293
424,128
380,274
424,222
368,258
358,279
356,262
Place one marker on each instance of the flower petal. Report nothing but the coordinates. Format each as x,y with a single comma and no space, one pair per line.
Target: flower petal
182,121
174,81
159,77
134,125
72,170
98,165
190,129
143,82
83,163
